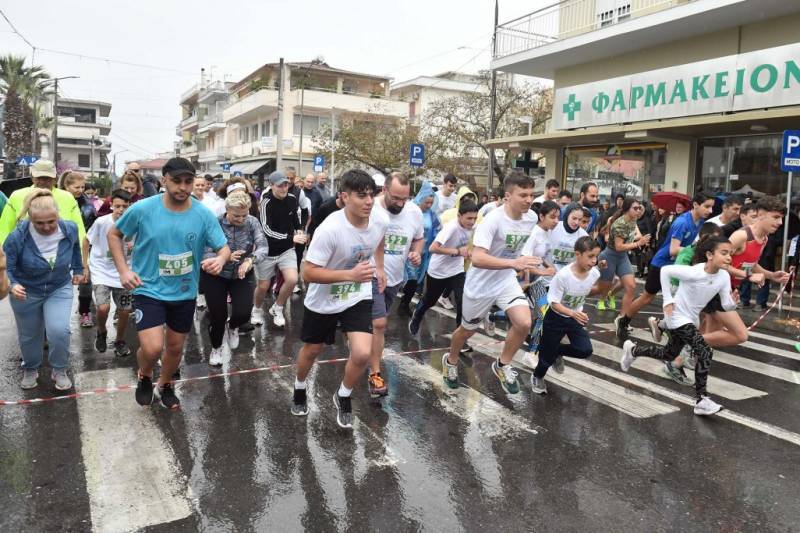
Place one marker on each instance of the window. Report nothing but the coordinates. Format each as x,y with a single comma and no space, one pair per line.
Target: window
412,110
612,11
84,160
265,129
244,135
310,124
275,127
254,132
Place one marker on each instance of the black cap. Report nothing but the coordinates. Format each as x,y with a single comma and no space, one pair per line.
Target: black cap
178,166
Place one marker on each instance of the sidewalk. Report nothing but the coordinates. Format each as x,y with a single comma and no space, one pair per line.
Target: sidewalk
786,322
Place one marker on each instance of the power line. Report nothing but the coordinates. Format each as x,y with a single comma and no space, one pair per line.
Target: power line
15,30
131,143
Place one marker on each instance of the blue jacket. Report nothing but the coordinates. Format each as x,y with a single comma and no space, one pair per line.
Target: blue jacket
29,268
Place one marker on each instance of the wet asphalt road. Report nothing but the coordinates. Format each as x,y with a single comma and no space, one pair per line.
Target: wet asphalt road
600,452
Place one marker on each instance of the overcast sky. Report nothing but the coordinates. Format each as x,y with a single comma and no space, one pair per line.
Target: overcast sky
401,39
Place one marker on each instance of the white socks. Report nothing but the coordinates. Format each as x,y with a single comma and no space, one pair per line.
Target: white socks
344,392
299,384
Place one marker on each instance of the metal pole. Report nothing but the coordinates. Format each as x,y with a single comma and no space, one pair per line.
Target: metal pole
333,153
492,121
279,152
785,248
91,160
55,123
302,103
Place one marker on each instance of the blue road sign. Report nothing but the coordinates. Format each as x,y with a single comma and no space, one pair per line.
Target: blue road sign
27,160
226,167
237,174
319,163
790,154
416,155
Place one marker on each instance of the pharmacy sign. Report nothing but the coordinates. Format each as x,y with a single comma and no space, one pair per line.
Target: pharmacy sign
755,80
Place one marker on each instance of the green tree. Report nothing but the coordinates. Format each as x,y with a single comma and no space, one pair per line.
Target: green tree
23,89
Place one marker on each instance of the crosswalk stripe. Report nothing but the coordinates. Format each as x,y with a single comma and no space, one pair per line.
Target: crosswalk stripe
132,475
794,355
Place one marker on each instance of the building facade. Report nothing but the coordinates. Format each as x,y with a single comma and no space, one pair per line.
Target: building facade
660,95
83,130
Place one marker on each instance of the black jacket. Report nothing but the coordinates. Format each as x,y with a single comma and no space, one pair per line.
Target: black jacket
279,220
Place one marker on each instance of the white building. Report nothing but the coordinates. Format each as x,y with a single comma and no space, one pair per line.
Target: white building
237,123
422,91
83,129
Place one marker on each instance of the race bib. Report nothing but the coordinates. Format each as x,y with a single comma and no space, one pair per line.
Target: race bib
563,255
514,241
342,291
572,301
394,244
175,265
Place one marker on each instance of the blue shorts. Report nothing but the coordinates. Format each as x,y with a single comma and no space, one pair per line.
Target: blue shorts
382,301
150,313
618,264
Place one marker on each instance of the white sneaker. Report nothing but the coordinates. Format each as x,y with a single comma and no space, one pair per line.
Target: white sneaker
296,289
201,301
538,385
626,360
530,360
277,315
488,326
706,406
216,357
654,329
61,379
445,302
257,316
232,336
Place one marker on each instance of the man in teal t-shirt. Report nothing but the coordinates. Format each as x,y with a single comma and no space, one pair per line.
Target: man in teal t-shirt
170,232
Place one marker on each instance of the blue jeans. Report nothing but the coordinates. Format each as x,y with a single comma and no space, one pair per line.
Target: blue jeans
761,296
554,329
39,314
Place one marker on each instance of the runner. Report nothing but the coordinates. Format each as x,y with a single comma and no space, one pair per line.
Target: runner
682,233
446,268
415,275
447,198
730,210
564,198
303,213
74,183
105,277
565,317
564,236
404,240
490,280
490,206
281,225
551,190
171,232
339,272
699,284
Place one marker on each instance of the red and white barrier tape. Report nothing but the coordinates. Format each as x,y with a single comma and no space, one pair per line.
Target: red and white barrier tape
777,300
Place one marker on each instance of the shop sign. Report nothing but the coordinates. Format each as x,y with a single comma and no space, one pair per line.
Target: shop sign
755,80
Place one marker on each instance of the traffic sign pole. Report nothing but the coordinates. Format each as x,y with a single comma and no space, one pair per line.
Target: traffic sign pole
790,163
786,231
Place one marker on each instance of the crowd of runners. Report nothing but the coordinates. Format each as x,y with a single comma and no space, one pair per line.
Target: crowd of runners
528,261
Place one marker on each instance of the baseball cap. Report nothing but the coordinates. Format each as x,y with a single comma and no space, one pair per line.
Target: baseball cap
278,177
178,166
379,179
43,168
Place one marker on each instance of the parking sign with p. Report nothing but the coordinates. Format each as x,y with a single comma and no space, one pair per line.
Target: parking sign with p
790,154
417,155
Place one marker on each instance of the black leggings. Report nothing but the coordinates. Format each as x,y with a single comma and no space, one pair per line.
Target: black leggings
678,338
217,289
84,298
434,288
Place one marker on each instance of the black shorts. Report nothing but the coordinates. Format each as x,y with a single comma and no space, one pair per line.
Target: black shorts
150,313
652,284
321,329
714,305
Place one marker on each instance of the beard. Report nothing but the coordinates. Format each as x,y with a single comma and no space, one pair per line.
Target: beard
393,209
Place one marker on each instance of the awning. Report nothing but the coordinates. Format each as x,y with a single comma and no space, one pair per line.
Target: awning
250,167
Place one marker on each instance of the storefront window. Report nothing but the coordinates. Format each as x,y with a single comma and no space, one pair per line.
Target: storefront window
630,170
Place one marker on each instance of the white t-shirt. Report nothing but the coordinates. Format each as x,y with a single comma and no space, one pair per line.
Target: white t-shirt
539,246
569,290
540,199
504,238
443,266
488,208
214,203
445,202
338,245
697,288
404,228
562,245
717,220
47,244
101,264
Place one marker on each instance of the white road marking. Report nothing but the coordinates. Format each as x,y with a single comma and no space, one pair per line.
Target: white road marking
132,475
773,338
794,355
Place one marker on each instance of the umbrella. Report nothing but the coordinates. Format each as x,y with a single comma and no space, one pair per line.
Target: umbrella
668,200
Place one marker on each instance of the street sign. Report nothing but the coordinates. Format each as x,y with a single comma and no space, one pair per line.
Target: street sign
790,154
319,163
237,174
27,160
417,155
226,167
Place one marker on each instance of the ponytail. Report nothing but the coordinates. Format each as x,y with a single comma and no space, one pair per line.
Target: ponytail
38,201
707,245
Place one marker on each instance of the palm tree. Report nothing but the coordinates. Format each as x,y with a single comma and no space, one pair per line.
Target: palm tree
21,88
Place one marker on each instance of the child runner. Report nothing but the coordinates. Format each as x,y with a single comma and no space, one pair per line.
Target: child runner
338,271
681,234
491,280
446,267
564,236
566,295
699,284
105,276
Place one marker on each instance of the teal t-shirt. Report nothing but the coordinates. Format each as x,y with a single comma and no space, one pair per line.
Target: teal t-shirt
168,246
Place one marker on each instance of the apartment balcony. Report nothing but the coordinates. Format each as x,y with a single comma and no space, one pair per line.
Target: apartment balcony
188,150
214,91
189,123
251,106
102,144
573,32
213,119
357,103
190,94
212,155
101,124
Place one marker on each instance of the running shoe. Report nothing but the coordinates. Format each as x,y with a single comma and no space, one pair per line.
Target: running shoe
86,320
344,410
655,330
531,359
167,396
116,316
297,289
538,385
144,390
413,326
689,360
449,373
507,375
612,302
121,349
621,327
299,403
676,374
445,302
30,379
201,301
627,358
60,378
601,304
377,385
245,328
215,359
277,316
232,336
488,325
706,406
257,317
558,366
101,342
466,349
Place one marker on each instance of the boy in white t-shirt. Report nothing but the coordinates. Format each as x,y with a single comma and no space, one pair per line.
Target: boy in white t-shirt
339,269
491,280
105,277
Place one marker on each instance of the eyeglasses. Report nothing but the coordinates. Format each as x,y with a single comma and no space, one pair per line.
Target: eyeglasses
638,208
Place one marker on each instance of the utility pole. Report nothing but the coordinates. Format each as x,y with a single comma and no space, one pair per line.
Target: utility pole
303,81
91,160
281,83
333,152
492,121
55,115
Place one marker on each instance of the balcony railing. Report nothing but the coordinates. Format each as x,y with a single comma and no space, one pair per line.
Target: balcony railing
188,93
189,121
569,18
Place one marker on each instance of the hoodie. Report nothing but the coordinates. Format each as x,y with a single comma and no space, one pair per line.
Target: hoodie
279,220
432,226
451,214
